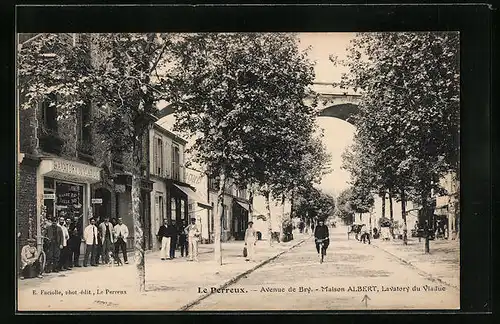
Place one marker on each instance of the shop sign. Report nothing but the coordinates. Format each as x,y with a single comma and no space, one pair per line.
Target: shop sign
97,200
79,170
49,196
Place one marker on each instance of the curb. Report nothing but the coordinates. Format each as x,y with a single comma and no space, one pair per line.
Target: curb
420,271
239,276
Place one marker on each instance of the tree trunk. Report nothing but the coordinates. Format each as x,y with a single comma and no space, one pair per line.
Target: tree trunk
403,215
218,219
282,218
136,215
383,203
391,213
250,209
427,222
267,195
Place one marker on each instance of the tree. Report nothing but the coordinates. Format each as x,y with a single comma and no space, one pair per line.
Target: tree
409,111
315,204
343,208
242,95
115,73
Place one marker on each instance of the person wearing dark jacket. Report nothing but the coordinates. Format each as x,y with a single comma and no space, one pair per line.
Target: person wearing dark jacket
321,233
54,245
164,239
172,233
183,243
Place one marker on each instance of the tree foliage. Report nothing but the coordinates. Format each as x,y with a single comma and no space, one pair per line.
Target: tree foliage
242,96
408,124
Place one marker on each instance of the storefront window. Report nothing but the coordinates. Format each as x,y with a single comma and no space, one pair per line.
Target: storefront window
69,197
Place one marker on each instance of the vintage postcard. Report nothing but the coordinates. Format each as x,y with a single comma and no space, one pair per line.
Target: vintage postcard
238,171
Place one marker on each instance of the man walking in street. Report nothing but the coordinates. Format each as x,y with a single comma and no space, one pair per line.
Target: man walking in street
63,259
121,234
54,245
75,241
250,241
172,234
193,234
164,239
90,235
107,238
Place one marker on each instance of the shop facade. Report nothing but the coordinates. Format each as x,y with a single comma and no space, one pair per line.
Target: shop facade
64,185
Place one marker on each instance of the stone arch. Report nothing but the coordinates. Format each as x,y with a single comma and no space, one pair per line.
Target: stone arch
344,112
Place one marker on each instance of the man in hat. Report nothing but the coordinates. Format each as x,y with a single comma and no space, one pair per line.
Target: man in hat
107,238
183,243
64,254
75,240
172,234
121,234
54,244
193,234
321,234
30,263
250,241
90,235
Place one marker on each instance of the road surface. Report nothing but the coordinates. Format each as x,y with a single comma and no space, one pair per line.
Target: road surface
354,276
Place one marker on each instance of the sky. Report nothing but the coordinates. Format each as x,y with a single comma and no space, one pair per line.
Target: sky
338,133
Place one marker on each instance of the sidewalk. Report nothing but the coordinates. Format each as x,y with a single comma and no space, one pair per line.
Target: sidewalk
442,263
170,284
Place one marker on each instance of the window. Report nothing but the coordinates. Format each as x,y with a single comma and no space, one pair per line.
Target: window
173,208
213,183
49,114
183,214
161,208
175,162
158,156
85,119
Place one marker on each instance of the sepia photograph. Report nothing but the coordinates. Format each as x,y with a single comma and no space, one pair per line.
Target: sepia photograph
238,171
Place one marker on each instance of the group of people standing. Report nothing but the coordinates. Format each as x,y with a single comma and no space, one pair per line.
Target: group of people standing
62,240
185,237
62,243
104,241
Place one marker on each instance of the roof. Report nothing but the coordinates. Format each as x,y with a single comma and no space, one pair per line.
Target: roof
169,133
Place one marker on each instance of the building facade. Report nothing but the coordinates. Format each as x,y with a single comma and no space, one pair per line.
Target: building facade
175,195
64,165
235,212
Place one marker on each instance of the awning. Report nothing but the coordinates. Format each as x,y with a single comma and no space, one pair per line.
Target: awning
194,196
244,206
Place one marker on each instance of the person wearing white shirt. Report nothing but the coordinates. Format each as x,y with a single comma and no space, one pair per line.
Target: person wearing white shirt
250,241
121,235
63,259
90,236
193,234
